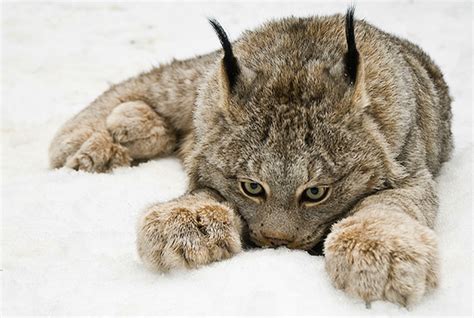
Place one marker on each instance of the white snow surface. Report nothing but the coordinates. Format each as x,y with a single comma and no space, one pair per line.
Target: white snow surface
68,242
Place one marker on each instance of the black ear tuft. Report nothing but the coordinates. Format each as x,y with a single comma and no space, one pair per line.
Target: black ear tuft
230,62
352,56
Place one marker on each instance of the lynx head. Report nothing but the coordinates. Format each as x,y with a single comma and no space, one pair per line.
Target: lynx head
280,130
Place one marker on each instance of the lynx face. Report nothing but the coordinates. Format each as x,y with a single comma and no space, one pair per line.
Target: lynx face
289,171
284,141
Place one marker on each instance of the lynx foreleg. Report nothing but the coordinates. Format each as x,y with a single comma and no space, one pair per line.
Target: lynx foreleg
386,249
188,232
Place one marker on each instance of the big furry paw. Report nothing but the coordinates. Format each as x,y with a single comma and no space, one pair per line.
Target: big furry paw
99,154
188,232
382,255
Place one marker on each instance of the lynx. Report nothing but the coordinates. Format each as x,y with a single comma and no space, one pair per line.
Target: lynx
306,132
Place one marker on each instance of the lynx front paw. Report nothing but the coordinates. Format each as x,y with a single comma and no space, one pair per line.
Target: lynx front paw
187,233
377,255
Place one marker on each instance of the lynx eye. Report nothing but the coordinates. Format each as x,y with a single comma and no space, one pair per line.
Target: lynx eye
252,189
314,195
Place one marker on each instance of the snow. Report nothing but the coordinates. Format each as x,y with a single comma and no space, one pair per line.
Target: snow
68,244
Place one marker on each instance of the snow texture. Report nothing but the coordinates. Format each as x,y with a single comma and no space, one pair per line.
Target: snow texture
69,237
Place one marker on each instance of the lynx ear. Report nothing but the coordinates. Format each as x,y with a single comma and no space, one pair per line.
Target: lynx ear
354,65
230,66
351,59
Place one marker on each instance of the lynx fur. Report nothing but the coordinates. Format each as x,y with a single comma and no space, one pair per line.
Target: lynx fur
296,109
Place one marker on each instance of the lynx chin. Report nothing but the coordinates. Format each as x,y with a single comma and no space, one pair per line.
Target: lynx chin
310,133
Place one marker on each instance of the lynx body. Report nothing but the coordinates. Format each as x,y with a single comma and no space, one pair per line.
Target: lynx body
305,131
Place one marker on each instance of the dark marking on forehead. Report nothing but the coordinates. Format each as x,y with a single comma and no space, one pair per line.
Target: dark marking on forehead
265,128
308,139
321,161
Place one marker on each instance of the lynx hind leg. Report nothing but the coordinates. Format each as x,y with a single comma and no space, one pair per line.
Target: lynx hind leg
99,154
65,144
141,130
86,149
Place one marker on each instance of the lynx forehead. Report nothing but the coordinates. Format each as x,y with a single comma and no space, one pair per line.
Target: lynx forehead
304,132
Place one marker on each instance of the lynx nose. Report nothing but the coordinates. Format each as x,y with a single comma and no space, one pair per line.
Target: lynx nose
276,238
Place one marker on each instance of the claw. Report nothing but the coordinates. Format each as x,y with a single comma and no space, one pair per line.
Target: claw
368,305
